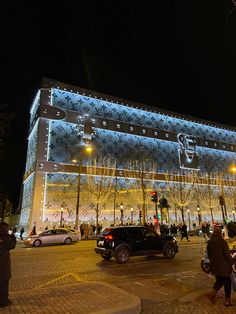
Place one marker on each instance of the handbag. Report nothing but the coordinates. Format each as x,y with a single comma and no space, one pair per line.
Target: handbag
233,280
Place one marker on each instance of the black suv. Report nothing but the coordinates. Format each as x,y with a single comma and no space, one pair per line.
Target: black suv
125,241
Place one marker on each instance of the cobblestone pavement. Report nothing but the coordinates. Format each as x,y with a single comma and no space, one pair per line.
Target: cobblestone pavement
89,298
163,286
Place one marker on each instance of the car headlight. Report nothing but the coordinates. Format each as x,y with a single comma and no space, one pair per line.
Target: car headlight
29,239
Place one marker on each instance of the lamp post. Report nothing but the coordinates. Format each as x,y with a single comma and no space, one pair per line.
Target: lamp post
188,218
199,215
121,213
61,219
233,212
132,215
114,202
233,171
88,149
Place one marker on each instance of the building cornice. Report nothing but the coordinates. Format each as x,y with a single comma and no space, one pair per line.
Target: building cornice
50,83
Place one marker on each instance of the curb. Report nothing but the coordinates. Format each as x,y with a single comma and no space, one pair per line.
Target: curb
84,297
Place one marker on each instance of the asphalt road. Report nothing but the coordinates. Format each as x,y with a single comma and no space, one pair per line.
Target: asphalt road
157,281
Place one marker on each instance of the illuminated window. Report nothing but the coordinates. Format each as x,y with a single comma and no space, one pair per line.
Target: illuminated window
131,128
144,131
118,126
104,123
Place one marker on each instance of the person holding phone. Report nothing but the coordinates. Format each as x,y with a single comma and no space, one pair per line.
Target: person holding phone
7,243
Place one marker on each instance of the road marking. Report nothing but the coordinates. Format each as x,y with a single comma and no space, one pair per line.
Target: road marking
76,277
139,283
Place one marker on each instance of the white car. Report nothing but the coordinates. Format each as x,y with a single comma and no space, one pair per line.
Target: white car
53,236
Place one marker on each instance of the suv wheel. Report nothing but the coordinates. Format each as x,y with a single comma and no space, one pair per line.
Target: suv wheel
122,255
169,251
106,257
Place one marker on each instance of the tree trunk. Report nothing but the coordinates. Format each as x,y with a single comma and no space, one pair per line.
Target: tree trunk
97,219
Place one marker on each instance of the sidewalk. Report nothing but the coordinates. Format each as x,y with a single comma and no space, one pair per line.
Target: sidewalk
90,298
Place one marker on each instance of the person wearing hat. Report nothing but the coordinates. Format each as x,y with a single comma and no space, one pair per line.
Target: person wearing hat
7,243
221,263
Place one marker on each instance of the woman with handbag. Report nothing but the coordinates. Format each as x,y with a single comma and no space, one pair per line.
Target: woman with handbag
221,263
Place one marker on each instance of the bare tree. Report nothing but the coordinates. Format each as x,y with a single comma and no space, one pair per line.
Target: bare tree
181,189
231,196
5,206
62,192
142,172
207,191
100,177
231,11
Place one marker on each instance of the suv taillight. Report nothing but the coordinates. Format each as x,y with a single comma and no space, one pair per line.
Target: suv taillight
109,237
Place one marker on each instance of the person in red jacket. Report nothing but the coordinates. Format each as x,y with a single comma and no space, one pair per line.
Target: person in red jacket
7,243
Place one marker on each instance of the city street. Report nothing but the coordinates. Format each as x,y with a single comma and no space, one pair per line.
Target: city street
162,285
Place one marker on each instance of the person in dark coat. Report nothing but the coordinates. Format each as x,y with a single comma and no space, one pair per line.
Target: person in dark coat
33,231
184,232
7,242
22,230
221,263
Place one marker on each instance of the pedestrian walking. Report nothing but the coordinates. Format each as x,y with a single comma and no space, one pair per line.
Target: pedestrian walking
33,231
7,243
22,230
205,230
184,232
221,263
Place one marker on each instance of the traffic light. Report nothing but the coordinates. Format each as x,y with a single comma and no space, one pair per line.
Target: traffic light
154,196
155,219
163,203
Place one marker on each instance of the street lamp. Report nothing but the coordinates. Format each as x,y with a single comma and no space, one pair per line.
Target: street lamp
121,213
199,214
61,219
88,149
132,215
188,218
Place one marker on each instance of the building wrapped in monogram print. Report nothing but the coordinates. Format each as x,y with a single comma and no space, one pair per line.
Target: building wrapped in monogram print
185,159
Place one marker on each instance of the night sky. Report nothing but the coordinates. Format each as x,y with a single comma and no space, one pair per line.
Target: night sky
175,55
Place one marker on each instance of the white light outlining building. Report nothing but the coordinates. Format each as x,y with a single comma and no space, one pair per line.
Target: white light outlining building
64,118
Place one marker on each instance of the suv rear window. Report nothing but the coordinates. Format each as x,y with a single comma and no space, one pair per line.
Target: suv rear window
119,231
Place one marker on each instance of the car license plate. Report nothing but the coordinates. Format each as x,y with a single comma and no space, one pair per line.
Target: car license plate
100,243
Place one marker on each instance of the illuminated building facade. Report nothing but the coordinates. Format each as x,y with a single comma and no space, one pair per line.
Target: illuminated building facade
61,116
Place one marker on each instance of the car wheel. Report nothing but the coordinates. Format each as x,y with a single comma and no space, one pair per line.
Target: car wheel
205,267
37,243
106,257
122,255
68,241
169,251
